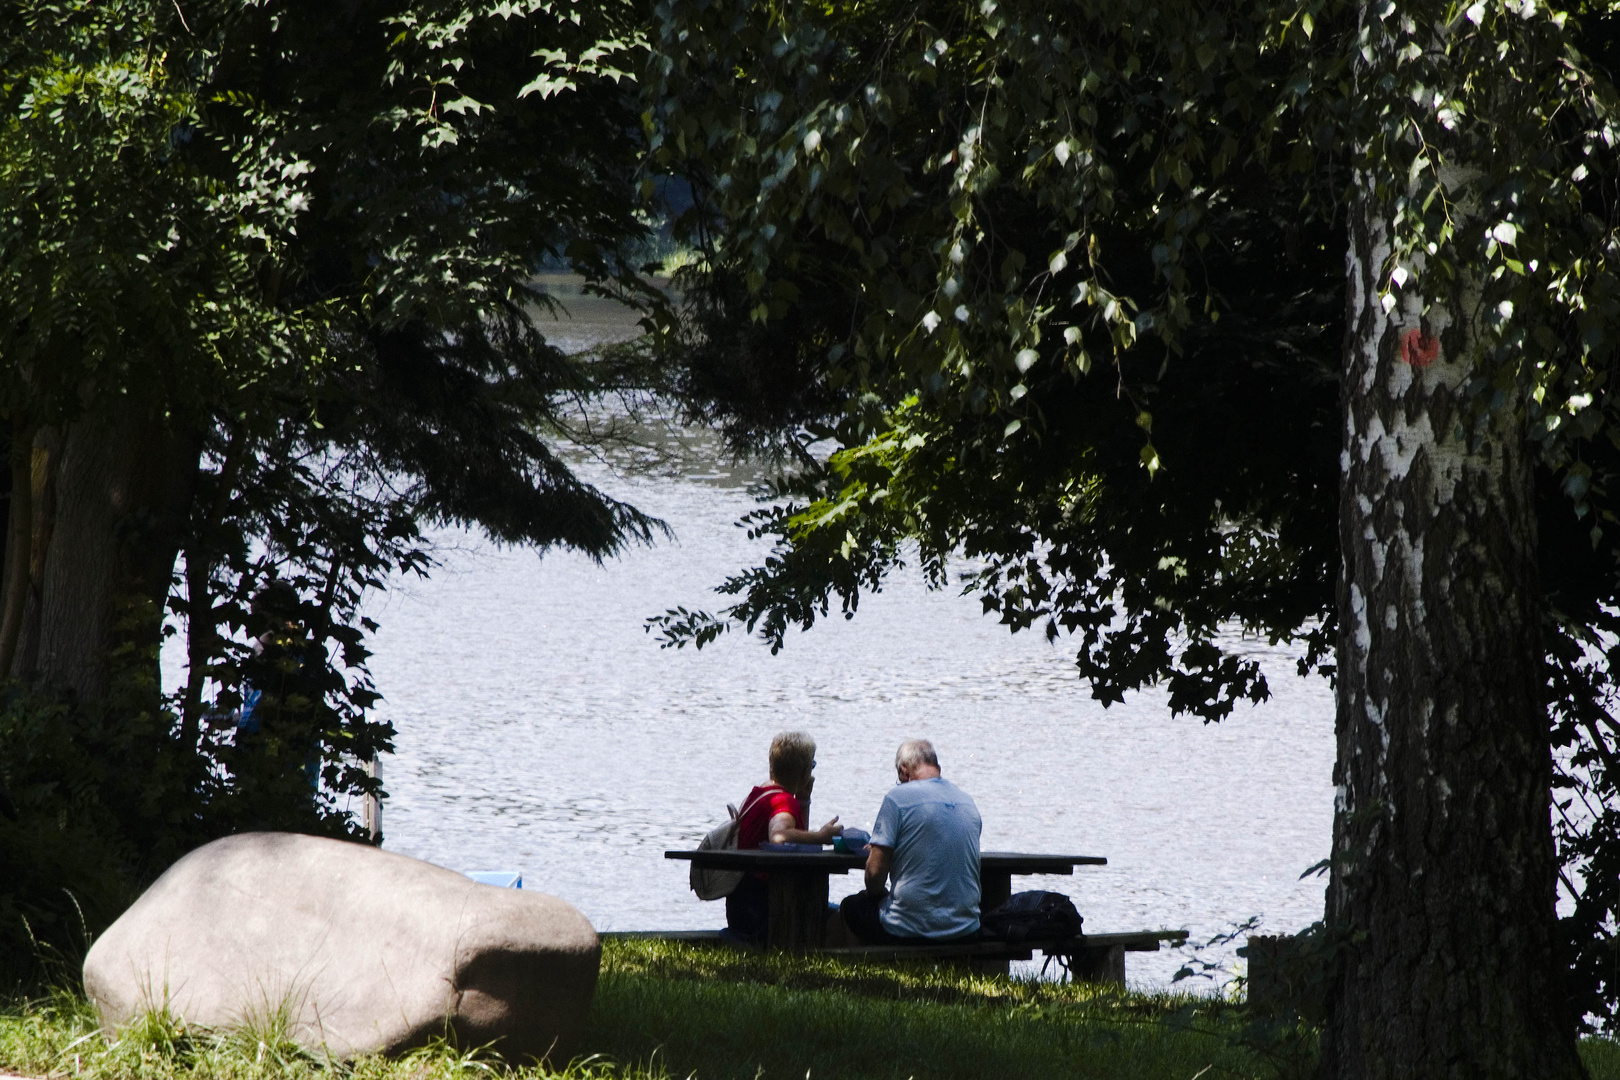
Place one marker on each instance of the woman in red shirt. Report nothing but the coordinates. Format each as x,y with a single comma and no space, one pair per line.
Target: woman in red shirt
777,813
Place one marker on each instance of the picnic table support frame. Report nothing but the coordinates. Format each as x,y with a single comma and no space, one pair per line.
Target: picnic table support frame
798,901
995,889
1098,964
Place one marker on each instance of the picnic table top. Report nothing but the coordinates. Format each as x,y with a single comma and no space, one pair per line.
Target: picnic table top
838,862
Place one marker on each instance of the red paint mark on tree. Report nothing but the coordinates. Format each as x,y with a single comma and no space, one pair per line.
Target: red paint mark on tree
1419,349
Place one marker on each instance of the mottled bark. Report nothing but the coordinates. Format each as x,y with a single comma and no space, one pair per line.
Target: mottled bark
19,531
122,489
1442,894
36,468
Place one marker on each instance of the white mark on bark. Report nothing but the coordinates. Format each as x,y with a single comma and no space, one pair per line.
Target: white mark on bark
1375,717
1375,712
1378,548
1371,438
1375,264
1400,447
1446,462
1358,617
1414,574
1401,376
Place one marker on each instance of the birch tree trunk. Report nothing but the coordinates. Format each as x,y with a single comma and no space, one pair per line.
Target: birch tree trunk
1442,891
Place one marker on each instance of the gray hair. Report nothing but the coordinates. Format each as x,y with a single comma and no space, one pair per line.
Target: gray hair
793,755
915,752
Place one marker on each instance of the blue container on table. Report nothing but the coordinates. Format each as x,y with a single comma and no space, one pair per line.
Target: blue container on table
503,879
768,846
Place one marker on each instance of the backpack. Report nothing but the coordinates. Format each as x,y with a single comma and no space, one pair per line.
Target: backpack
710,884
1037,916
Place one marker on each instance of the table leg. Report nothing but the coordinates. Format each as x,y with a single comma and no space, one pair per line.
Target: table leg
995,886
798,909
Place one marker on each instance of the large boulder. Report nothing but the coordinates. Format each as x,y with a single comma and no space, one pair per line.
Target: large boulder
354,950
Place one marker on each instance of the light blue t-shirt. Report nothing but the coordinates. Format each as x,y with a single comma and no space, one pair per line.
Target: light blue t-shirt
933,827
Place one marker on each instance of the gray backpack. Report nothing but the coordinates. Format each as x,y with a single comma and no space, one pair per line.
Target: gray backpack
719,884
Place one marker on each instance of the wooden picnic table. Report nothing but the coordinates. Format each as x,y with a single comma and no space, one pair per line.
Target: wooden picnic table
798,913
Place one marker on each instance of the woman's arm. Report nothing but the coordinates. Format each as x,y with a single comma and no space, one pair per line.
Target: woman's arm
782,830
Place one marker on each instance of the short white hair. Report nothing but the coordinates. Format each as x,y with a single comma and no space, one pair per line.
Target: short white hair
793,756
915,752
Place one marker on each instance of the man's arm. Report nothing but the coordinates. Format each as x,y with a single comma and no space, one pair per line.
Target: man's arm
877,868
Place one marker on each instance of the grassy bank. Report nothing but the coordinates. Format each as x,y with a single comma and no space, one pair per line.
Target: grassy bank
783,1016
675,1012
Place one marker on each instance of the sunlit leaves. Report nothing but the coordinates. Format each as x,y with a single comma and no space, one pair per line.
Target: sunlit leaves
1119,119
124,262
308,245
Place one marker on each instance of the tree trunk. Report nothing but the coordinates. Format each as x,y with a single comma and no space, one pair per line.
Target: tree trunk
35,467
19,546
1442,891
122,491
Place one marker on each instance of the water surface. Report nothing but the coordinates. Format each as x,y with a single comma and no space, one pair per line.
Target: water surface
542,730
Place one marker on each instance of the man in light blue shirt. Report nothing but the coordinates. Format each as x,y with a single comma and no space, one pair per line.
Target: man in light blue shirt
925,845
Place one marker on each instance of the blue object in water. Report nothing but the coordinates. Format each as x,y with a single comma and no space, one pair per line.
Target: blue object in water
504,879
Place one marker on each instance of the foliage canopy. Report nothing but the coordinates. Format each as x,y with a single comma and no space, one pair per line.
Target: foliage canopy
294,246
1064,286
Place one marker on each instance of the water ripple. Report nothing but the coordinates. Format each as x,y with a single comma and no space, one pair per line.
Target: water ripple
541,730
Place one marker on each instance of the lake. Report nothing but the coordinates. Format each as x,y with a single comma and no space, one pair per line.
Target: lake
542,730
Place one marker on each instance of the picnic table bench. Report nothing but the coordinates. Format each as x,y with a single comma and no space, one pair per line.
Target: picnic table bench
1090,957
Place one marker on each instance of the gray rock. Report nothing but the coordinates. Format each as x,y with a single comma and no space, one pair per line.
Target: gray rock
356,950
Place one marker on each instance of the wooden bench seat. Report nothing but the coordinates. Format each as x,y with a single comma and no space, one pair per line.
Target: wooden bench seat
695,937
1093,957
1141,941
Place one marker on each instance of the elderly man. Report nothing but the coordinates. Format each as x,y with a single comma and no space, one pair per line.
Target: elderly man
925,845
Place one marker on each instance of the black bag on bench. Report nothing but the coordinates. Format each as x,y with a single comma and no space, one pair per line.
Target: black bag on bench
1033,916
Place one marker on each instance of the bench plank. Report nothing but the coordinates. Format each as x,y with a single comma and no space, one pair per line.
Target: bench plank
1138,941
697,936
1134,941
996,950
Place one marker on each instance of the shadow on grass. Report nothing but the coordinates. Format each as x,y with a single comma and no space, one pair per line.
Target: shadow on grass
675,1012
722,1014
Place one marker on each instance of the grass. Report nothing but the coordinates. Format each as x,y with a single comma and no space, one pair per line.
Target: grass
669,1012
724,1014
